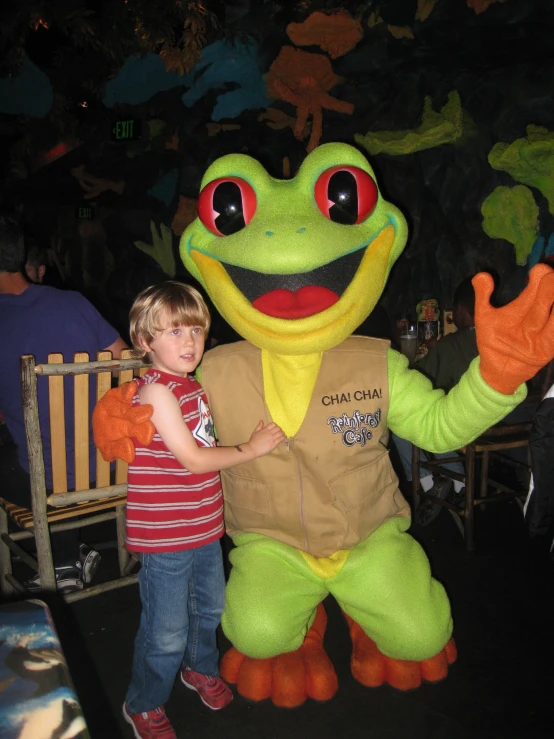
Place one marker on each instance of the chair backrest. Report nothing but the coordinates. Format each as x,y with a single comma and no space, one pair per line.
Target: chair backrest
88,376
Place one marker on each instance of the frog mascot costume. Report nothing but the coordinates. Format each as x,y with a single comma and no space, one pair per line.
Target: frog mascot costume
295,266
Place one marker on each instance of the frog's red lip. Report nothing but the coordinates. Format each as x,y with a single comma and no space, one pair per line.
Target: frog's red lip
307,301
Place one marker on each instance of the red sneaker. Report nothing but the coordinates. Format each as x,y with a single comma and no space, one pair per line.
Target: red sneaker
152,724
213,692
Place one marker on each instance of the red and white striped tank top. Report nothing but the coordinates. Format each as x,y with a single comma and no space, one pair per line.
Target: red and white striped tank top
168,507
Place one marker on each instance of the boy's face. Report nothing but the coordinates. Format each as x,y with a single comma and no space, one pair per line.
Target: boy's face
177,350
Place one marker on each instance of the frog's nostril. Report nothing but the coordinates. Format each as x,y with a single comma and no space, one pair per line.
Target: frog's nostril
270,233
301,230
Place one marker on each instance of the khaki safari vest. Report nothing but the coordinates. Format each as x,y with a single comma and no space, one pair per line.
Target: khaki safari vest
332,484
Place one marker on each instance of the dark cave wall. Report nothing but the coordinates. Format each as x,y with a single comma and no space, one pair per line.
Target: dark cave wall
502,65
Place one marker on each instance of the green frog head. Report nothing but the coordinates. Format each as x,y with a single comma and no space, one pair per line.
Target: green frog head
294,265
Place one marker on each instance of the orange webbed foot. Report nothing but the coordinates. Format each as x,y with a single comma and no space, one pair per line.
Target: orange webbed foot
288,679
372,668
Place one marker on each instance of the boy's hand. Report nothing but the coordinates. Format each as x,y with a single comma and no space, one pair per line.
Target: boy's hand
264,439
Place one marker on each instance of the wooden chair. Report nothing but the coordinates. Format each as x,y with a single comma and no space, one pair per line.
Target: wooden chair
64,509
480,487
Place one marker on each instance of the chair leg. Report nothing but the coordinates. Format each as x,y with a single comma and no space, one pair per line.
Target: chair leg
470,495
122,553
5,557
484,474
44,557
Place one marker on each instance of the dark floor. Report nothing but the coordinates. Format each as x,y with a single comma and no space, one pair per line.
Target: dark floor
501,686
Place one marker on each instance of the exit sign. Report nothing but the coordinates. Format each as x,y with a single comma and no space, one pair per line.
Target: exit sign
126,130
84,213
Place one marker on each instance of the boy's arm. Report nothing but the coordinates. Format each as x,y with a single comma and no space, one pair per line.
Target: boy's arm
168,420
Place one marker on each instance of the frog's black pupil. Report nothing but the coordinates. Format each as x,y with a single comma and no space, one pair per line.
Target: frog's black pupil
227,201
342,190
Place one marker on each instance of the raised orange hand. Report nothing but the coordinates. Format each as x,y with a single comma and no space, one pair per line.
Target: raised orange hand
517,340
115,422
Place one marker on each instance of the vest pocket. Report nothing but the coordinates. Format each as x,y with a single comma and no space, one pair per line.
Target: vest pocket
245,492
355,488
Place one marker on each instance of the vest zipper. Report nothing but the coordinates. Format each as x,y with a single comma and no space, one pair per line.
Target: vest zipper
288,443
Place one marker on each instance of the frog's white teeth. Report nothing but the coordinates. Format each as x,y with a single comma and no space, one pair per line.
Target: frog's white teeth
336,276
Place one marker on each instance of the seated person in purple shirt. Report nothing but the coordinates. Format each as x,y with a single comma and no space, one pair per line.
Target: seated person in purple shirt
40,320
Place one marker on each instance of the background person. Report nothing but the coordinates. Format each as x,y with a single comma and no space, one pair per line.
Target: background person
39,320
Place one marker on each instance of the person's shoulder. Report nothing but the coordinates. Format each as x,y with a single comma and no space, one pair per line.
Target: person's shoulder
453,340
54,296
153,387
43,298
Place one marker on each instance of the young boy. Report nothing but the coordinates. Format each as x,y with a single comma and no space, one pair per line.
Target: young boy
175,511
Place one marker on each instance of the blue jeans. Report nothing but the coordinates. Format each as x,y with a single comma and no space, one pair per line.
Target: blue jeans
182,596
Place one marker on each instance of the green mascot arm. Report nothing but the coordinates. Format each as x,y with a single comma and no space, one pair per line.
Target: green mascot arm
439,422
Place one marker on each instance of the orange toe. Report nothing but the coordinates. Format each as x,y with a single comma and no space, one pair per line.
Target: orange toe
451,651
289,680
321,678
255,679
402,674
230,665
367,662
436,668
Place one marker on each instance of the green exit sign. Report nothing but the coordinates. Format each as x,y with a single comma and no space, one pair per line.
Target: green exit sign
126,130
84,213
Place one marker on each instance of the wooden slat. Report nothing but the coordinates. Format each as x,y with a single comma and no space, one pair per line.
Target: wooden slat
24,516
89,368
57,428
103,384
125,376
78,496
81,396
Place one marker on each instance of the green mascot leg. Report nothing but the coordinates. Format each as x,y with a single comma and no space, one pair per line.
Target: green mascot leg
386,587
273,619
271,597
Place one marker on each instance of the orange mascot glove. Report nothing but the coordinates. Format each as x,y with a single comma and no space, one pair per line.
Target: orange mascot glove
115,421
517,340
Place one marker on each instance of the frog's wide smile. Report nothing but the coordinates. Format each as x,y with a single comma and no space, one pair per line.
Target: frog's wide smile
298,295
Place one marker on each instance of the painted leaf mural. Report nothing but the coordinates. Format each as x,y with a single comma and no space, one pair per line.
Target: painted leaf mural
436,128
511,213
529,160
336,33
303,80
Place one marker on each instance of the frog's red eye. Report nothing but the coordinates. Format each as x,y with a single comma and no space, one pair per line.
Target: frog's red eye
346,194
226,205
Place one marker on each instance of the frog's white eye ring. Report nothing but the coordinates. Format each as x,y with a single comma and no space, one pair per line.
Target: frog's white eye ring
346,194
227,205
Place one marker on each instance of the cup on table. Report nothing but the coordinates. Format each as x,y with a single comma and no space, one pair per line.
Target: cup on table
408,341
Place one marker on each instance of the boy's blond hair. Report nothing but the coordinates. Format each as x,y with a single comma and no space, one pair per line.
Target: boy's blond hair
181,304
